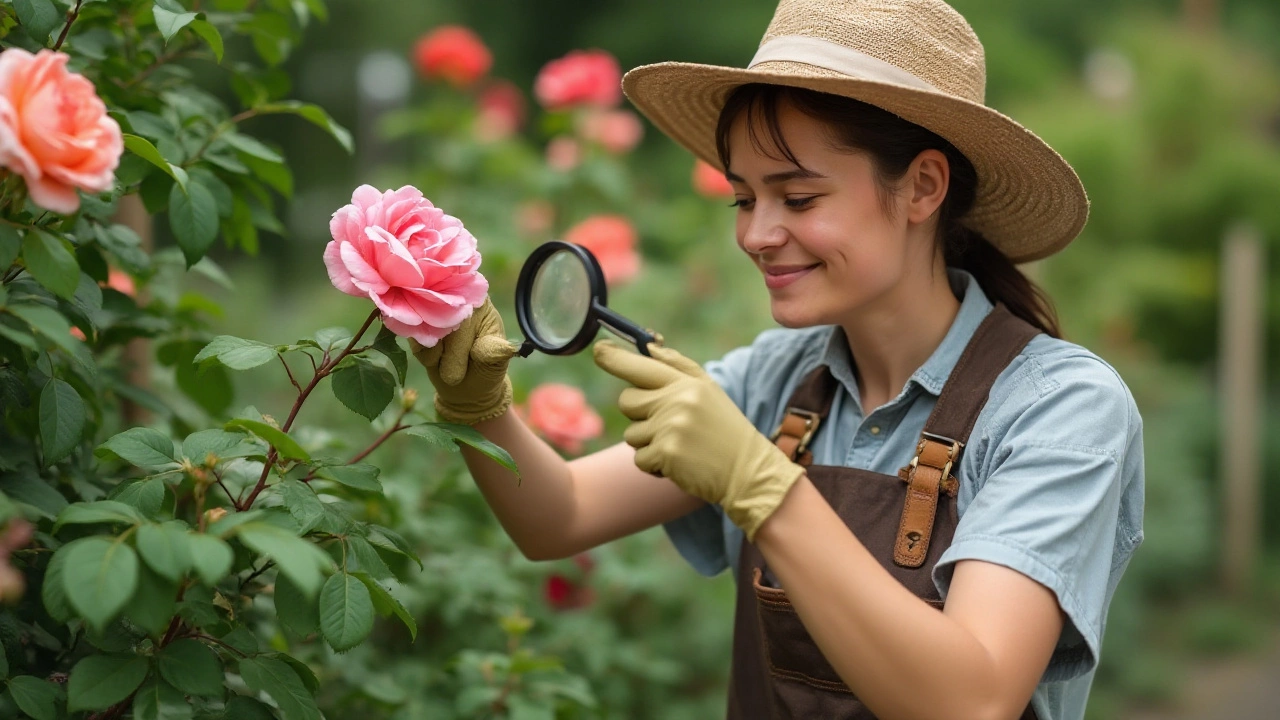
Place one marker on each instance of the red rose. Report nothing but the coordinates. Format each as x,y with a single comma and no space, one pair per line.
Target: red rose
454,54
583,77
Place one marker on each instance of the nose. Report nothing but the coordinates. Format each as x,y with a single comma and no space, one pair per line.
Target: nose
760,231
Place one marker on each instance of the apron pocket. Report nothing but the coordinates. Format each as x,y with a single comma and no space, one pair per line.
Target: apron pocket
789,649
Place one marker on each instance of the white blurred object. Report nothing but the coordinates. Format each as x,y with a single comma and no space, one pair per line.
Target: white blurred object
1109,75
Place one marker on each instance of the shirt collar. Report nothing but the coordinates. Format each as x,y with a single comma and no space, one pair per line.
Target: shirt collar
933,374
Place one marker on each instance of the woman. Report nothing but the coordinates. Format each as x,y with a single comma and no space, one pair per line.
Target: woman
951,492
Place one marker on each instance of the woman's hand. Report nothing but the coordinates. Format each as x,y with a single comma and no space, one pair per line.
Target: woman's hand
688,430
468,368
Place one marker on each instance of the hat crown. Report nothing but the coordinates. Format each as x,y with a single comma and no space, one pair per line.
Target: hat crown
926,38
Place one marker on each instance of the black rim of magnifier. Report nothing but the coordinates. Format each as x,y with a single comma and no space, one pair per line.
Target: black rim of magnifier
597,314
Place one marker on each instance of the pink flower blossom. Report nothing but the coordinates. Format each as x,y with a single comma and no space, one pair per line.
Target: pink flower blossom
535,217
121,282
612,239
453,53
710,182
618,131
418,265
561,413
563,153
54,129
583,77
501,112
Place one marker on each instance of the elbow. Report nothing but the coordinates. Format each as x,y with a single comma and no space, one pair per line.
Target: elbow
542,550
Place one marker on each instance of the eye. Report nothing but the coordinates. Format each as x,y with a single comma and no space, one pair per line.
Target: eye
742,203
800,202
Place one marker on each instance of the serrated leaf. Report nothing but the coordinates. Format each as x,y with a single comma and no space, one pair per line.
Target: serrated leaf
190,666
101,511
51,263
53,591
171,17
465,435
154,602
35,697
346,612
48,322
210,35
34,491
301,561
364,387
210,556
236,353
62,419
278,680
145,495
386,605
330,338
389,539
165,549
298,613
314,114
143,148
252,146
242,707
100,681
99,576
199,445
193,217
388,344
142,446
38,17
368,559
158,700
286,447
302,503
361,476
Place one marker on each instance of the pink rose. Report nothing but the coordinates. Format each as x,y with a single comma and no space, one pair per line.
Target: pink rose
121,282
501,111
710,182
417,264
54,129
453,53
563,153
618,131
535,217
612,239
583,77
562,415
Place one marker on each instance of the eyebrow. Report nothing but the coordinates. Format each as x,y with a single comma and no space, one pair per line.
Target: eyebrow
774,178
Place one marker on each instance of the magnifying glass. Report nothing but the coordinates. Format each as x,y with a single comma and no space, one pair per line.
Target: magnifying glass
561,302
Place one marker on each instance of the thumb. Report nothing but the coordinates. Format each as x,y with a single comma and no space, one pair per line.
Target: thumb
676,360
493,350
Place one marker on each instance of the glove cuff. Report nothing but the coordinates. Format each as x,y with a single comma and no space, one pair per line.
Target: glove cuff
476,412
754,504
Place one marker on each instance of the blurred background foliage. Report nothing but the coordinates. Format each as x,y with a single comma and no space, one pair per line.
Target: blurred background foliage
1175,132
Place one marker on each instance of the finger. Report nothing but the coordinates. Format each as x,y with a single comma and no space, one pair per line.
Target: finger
639,434
428,356
649,460
643,372
493,350
676,360
637,404
457,352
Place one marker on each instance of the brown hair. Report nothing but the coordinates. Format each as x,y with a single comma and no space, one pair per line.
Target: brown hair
893,144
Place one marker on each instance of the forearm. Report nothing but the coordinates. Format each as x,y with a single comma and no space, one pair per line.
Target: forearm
903,658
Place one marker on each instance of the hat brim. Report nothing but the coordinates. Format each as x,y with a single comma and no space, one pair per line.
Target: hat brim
1030,203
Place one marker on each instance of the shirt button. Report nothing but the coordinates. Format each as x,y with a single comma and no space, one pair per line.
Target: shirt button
875,429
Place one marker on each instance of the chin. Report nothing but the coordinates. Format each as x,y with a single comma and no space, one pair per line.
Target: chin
795,318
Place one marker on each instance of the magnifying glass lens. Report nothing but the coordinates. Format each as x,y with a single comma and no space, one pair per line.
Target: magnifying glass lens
560,298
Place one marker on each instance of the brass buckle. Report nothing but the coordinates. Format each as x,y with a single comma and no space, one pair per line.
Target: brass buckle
811,422
956,447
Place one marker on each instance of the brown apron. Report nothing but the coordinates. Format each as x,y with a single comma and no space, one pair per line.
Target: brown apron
906,521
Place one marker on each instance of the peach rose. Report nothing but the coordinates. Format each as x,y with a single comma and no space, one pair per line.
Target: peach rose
617,131
583,77
121,282
418,265
612,239
561,413
54,130
453,53
710,182
501,111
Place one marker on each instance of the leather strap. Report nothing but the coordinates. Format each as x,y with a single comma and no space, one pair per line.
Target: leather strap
809,406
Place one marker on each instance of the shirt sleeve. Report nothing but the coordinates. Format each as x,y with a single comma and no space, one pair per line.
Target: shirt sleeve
1061,499
699,537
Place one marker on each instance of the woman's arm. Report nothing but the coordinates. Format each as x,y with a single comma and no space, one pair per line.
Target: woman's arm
557,508
979,659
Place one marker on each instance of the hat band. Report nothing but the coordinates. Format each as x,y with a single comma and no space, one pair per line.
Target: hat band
838,58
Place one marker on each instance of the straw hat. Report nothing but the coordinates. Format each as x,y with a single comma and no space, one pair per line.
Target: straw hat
918,59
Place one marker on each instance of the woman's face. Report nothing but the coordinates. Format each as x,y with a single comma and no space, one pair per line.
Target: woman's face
819,233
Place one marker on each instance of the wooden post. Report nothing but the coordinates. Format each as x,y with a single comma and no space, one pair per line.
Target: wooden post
1240,409
1201,15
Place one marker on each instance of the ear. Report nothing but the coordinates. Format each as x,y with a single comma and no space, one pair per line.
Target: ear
927,181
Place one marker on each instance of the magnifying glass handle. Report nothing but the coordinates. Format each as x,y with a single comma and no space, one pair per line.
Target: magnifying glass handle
624,328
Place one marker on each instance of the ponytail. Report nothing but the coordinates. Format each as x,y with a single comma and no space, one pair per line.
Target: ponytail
999,278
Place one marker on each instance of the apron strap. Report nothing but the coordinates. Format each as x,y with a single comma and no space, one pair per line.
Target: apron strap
807,408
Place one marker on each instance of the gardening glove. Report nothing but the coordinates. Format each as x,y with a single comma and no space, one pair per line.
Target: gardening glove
688,430
468,368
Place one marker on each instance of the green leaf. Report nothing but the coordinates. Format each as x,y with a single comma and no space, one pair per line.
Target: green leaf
34,491
275,175
143,148
142,446
302,503
314,114
193,217
53,588
52,325
171,17
211,557
242,707
364,387
102,511
154,603
298,613
99,577
285,446
190,666
368,558
464,435
386,604
330,338
390,540
301,561
210,35
346,612
100,681
252,146
388,344
199,445
38,18
145,495
62,419
278,680
35,697
360,476
10,246
236,353
165,549
158,700
51,263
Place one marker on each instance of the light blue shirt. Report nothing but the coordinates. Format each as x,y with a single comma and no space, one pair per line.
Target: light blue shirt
1051,480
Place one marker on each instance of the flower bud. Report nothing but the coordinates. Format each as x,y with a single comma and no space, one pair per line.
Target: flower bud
213,515
409,398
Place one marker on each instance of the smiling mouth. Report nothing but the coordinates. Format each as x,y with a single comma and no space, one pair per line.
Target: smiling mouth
780,277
